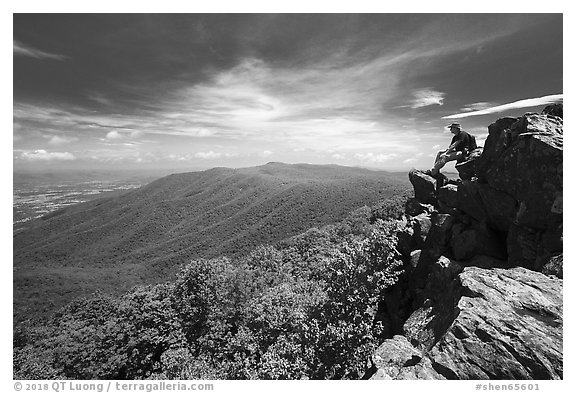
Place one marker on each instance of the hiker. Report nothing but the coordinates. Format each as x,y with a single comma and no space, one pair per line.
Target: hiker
462,143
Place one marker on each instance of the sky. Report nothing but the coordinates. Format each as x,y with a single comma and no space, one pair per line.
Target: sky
195,91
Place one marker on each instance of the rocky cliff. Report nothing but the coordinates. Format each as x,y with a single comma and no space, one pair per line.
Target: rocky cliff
482,293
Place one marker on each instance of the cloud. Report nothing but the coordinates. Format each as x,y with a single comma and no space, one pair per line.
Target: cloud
210,155
339,101
21,49
57,140
527,103
375,158
427,97
477,106
266,153
99,98
114,135
43,155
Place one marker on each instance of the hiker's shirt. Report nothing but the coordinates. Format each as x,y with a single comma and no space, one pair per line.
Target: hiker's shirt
462,141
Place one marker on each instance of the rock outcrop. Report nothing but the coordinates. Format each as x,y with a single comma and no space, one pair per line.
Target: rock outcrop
502,324
484,262
511,190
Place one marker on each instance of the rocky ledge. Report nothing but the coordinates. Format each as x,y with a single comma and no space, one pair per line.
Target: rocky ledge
506,324
483,283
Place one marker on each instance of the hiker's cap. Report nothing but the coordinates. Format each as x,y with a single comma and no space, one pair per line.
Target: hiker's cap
456,125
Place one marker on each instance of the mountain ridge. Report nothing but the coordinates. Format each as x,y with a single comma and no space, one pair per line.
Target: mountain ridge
143,235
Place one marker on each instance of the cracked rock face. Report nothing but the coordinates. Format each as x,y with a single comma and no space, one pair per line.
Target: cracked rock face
507,325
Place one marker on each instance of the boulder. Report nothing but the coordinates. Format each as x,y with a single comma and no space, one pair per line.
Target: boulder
397,359
497,141
552,240
500,208
554,266
525,162
522,245
435,305
467,168
448,195
436,244
414,259
414,207
438,236
478,240
533,248
394,354
422,224
485,324
424,186
406,241
554,110
508,326
469,200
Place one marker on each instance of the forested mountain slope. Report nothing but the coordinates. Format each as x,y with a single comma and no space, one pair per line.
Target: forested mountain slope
146,234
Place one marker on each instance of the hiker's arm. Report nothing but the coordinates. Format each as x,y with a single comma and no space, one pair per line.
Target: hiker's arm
452,147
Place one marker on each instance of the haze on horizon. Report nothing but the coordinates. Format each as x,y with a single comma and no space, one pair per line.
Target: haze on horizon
188,91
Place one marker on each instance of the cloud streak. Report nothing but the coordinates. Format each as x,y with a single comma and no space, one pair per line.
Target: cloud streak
527,103
21,49
427,97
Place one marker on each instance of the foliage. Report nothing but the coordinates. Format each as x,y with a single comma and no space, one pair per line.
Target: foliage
391,208
302,309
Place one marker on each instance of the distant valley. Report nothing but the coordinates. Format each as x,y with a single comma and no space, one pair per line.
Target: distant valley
38,194
144,235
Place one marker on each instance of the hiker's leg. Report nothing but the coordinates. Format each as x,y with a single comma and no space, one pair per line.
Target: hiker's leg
454,156
439,162
439,155
442,158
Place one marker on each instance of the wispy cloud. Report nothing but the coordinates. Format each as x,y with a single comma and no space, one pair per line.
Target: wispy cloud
43,155
477,106
527,103
57,140
427,97
340,104
99,98
21,49
209,155
375,158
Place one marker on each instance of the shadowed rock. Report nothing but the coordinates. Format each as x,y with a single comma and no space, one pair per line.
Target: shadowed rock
525,162
554,110
448,195
424,186
502,324
467,168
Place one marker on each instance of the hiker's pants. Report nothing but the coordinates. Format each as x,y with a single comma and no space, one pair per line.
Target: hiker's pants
442,158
